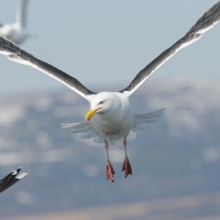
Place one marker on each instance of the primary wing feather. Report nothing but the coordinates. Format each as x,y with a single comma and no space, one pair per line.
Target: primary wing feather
11,179
207,21
16,54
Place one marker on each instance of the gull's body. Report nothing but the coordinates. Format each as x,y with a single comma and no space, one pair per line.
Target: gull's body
110,127
16,32
112,120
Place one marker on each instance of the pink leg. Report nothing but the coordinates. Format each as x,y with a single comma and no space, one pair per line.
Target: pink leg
126,165
109,169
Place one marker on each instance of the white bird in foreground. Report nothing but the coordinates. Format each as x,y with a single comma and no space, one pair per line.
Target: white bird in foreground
11,179
113,122
16,32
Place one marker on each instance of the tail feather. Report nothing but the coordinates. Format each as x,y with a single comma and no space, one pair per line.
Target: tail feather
85,128
141,121
151,114
88,135
81,130
76,125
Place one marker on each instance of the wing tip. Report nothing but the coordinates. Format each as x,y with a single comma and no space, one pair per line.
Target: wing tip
22,175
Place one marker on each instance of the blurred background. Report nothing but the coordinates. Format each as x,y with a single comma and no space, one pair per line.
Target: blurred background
104,45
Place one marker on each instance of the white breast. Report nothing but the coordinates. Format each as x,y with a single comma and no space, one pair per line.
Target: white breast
116,123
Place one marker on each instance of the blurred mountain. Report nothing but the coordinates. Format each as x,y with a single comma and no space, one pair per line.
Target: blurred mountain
178,155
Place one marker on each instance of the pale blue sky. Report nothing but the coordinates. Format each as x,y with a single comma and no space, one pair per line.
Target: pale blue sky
108,42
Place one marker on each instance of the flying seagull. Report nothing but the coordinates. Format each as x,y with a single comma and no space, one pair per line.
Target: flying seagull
112,120
11,179
16,32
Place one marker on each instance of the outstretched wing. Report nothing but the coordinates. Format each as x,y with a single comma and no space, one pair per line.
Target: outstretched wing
18,55
207,21
21,12
11,179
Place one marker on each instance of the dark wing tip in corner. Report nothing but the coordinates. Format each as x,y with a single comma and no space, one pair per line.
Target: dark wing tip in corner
11,179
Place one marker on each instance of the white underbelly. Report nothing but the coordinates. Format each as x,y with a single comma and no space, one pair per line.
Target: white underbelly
114,125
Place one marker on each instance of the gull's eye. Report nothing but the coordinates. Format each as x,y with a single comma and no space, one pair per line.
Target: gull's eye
101,102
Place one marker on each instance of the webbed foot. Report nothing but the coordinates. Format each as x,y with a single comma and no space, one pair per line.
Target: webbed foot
127,167
109,171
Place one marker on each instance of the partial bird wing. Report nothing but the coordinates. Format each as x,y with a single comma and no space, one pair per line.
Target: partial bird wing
21,12
11,179
207,21
141,121
18,55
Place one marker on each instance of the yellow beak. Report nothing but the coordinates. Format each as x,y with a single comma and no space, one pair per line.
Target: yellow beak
90,114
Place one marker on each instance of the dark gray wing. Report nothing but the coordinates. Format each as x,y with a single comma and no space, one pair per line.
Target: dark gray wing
18,55
207,21
21,12
11,179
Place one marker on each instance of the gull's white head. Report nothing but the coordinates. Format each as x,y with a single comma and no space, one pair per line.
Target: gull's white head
103,103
